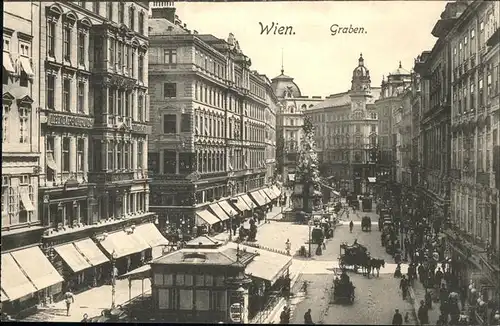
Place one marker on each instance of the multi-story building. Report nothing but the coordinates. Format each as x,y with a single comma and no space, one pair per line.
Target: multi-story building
389,110
209,124
94,137
346,126
473,43
270,119
289,122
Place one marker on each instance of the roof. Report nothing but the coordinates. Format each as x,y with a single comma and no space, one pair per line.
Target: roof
159,26
283,83
245,257
203,241
400,71
343,99
195,257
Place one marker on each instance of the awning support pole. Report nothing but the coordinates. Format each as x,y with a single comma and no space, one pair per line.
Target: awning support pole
129,289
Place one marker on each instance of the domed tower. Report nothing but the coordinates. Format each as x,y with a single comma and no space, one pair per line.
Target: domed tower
284,87
360,77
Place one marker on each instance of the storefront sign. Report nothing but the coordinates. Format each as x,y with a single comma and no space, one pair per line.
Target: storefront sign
62,120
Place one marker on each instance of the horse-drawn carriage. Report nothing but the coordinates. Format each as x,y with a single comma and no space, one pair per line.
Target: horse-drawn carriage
355,256
366,223
343,289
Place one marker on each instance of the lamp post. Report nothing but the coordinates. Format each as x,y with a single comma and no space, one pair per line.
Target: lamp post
310,225
113,280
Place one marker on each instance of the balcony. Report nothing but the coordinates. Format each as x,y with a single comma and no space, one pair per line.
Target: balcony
483,178
105,177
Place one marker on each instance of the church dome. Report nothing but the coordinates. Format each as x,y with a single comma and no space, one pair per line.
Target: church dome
284,84
360,70
400,71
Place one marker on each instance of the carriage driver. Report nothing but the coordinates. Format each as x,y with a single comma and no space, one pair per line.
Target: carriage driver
344,278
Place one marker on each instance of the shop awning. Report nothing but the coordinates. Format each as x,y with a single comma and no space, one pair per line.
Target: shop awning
241,204
26,66
291,177
91,252
25,199
270,193
264,196
3,297
51,163
7,63
336,193
227,208
258,198
250,203
72,257
269,266
276,190
37,267
123,244
150,233
372,179
205,217
219,212
139,273
15,284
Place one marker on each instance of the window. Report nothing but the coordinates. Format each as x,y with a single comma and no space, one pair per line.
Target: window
140,107
127,60
131,18
111,55
65,155
141,22
481,26
95,7
98,44
119,151
186,123
5,199
121,12
358,128
51,40
23,125
111,159
465,40
202,300
66,95
6,44
140,69
81,97
109,10
26,212
185,299
67,43
374,128
472,34
126,154
5,122
218,301
80,148
140,156
119,103
127,104
81,48
169,124
169,90
49,150
111,100
119,48
170,56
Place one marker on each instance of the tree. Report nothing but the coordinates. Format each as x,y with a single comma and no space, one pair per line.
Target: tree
307,171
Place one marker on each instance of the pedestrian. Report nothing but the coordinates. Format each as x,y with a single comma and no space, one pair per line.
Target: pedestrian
284,317
407,317
307,317
69,299
351,226
85,318
423,314
403,285
443,293
397,319
288,246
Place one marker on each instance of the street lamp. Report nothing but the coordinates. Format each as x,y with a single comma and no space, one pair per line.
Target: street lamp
114,256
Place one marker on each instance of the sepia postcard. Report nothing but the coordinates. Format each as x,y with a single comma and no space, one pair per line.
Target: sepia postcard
251,162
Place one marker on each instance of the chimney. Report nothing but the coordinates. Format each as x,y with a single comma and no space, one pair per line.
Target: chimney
166,12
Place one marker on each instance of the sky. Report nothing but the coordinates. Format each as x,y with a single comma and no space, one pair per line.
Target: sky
321,64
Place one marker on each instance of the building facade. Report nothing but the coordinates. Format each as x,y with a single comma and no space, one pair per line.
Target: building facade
473,42
94,129
346,132
289,121
209,132
271,111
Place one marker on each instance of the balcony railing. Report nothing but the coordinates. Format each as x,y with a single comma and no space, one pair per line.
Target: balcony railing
102,177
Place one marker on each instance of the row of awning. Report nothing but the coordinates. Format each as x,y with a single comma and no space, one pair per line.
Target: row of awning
23,62
222,210
27,271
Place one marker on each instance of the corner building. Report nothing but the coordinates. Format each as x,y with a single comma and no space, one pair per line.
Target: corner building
346,128
94,135
209,129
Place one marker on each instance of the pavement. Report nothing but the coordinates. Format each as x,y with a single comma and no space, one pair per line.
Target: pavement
90,302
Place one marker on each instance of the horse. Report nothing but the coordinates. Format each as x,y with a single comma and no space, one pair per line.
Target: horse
376,264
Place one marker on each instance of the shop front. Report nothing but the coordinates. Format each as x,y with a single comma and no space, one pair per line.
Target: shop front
250,203
221,215
206,222
28,279
240,204
81,263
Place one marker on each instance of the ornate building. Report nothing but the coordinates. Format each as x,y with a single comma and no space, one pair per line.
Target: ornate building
210,124
270,119
474,237
289,123
346,126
